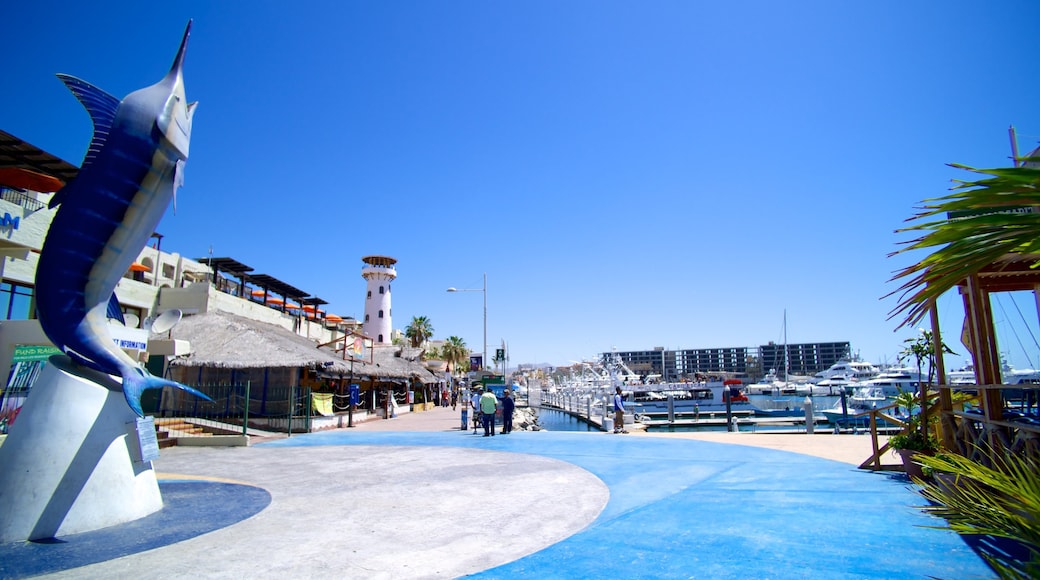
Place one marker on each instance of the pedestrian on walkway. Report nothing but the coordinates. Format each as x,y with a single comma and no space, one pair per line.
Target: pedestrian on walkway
454,398
465,408
507,412
474,405
619,411
488,406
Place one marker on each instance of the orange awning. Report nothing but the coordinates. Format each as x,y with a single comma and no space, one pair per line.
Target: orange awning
277,301
23,178
334,318
257,293
139,267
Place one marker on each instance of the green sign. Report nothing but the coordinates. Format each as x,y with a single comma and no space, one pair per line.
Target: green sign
25,353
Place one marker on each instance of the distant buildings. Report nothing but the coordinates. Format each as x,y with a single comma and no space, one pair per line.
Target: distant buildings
676,365
162,281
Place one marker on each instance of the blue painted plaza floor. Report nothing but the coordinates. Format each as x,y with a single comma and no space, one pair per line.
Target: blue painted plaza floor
677,509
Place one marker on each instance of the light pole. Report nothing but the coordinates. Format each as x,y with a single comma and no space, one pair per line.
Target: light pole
484,361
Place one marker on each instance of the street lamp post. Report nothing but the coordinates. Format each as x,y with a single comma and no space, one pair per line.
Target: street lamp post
484,290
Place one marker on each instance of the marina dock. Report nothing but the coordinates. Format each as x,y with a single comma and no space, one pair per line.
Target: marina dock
593,414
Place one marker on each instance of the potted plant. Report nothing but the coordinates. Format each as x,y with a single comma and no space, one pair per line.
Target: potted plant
916,439
1001,500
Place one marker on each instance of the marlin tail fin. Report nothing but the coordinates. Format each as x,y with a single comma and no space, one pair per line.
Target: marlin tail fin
135,384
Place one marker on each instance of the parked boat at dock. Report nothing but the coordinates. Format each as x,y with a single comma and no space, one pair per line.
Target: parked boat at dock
853,370
687,398
856,408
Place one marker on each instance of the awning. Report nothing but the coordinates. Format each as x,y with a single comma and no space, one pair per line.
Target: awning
139,267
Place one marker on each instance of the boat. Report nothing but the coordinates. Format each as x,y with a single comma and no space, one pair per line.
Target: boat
769,384
854,370
835,386
856,408
780,407
694,398
894,381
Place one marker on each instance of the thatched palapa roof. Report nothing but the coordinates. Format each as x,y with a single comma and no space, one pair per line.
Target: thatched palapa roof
394,361
223,340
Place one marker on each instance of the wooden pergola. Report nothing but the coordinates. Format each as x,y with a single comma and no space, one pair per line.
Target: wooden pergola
1011,273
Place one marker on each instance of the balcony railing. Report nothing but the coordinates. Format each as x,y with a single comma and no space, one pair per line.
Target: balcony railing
21,198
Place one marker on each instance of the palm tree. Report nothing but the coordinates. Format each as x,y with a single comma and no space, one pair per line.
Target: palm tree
419,331
454,352
973,227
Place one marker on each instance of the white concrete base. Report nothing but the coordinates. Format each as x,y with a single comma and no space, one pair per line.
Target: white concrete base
67,463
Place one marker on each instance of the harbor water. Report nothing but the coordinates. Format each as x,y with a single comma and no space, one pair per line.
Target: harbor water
554,420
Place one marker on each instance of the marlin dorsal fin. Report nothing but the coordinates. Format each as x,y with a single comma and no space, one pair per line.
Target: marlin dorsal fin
101,107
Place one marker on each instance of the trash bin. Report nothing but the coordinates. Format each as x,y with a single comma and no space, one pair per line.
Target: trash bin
608,423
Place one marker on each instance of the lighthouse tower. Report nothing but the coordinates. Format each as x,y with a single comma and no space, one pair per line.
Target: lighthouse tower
378,271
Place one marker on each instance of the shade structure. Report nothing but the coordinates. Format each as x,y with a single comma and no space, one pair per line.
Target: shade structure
275,301
257,293
139,267
333,318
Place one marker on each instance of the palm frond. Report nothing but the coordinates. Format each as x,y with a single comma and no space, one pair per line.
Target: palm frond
978,223
1002,501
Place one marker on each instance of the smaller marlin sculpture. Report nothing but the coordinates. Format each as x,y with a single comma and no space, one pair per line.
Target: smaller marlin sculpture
133,167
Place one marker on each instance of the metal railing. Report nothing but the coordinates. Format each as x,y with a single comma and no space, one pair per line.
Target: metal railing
234,410
21,198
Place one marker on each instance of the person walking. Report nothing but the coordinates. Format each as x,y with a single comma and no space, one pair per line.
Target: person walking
507,412
488,406
465,409
619,411
474,405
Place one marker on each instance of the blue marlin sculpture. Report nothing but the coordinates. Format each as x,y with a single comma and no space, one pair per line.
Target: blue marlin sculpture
106,215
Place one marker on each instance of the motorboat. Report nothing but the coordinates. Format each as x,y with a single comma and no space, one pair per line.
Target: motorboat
768,385
687,398
856,408
894,381
837,385
854,370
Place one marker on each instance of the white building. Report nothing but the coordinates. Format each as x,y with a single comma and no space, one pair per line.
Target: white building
378,272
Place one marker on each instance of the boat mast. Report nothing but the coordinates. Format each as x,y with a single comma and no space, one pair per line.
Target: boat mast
1014,145
787,360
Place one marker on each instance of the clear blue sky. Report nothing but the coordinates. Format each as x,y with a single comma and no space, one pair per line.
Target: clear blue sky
628,174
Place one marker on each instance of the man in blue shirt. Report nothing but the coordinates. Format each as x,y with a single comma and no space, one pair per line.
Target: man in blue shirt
619,411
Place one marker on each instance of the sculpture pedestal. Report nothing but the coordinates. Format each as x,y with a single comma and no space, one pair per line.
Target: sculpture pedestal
68,463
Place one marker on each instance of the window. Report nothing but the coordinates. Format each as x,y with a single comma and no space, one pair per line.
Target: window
380,338
16,301
380,314
366,318
381,290
369,293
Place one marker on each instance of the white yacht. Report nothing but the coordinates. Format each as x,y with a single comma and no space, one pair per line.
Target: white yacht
770,384
854,370
895,380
